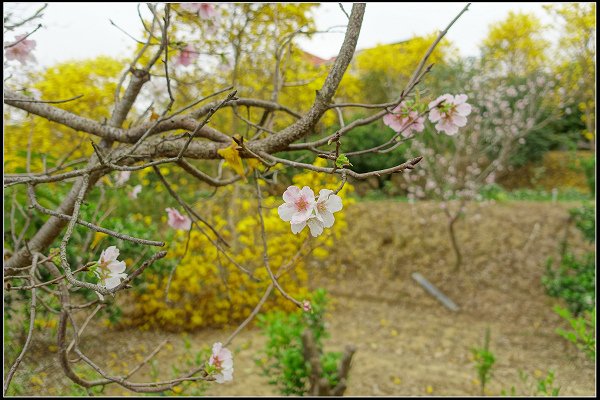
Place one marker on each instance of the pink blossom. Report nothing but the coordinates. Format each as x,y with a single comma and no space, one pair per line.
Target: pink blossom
298,206
187,56
110,270
222,360
404,119
451,114
122,177
178,221
204,10
327,204
306,306
135,191
20,51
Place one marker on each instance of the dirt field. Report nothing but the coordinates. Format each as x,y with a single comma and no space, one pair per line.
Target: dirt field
408,343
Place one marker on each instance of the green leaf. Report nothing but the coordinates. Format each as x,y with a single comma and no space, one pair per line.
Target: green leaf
341,161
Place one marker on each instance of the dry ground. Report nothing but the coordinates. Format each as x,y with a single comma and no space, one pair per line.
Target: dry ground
408,343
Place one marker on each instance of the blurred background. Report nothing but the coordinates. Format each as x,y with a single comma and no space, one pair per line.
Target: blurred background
500,217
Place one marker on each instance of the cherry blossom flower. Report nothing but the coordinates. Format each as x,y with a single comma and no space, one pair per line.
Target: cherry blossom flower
110,271
306,306
298,206
135,191
204,10
187,56
327,204
21,51
404,119
122,177
451,114
222,360
178,221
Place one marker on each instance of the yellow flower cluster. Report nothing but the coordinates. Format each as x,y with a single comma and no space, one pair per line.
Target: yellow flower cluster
207,289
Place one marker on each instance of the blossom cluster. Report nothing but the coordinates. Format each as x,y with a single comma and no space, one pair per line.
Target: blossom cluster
448,112
21,50
405,119
301,209
207,12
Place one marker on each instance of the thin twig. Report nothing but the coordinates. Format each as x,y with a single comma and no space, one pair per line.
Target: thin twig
17,362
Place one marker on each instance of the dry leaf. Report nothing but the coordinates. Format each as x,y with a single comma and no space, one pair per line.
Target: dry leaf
233,159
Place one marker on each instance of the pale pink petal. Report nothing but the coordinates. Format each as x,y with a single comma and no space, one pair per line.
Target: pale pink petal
291,194
298,227
334,203
458,120
323,195
318,216
316,228
286,211
227,361
396,123
419,125
389,120
178,221
328,219
112,282
301,216
460,98
218,345
109,254
451,129
116,267
435,115
463,109
308,194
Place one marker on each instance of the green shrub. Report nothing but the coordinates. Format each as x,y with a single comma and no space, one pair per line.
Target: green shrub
573,281
283,359
585,220
583,334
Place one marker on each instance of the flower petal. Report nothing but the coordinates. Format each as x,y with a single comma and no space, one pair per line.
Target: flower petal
112,282
308,194
117,267
291,194
323,194
435,115
301,216
334,203
463,109
286,211
110,254
316,228
298,227
460,98
328,219
459,120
